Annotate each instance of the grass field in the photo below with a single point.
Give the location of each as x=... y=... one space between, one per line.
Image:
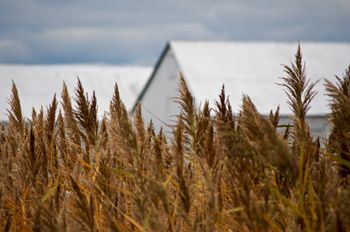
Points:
x=64 y=170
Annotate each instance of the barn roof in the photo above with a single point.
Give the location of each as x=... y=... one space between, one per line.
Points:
x=37 y=84
x=254 y=68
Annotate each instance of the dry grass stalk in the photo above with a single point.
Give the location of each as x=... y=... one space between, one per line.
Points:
x=68 y=171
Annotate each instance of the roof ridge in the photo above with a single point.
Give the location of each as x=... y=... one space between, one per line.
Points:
x=255 y=42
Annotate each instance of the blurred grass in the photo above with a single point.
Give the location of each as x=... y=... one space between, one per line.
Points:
x=66 y=171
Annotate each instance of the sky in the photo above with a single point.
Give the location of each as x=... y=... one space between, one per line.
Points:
x=136 y=31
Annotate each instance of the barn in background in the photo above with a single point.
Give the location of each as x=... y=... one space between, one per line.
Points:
x=37 y=84
x=252 y=68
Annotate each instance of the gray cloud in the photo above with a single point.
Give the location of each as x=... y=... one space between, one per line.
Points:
x=135 y=31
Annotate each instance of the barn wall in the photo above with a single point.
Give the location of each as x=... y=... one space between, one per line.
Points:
x=158 y=100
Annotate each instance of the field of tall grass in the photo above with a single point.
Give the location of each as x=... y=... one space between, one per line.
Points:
x=65 y=170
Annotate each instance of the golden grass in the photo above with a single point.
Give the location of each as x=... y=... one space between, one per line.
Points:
x=67 y=171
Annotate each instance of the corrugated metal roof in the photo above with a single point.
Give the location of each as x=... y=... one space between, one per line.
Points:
x=254 y=68
x=38 y=83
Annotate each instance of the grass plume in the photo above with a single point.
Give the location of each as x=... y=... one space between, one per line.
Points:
x=66 y=170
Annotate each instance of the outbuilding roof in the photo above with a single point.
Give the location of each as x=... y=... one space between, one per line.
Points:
x=37 y=84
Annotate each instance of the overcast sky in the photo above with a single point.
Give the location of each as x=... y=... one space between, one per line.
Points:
x=136 y=31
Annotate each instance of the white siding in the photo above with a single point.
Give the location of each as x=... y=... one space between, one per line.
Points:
x=158 y=101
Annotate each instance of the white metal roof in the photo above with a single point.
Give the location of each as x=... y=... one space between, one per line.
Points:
x=254 y=68
x=37 y=84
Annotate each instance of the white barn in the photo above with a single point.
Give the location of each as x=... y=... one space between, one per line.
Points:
x=251 y=68
x=37 y=84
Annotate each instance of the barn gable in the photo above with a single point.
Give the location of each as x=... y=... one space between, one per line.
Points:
x=157 y=97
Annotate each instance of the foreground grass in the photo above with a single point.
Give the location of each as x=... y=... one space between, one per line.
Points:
x=65 y=171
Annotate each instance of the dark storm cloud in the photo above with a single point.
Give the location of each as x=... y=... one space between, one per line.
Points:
x=135 y=31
